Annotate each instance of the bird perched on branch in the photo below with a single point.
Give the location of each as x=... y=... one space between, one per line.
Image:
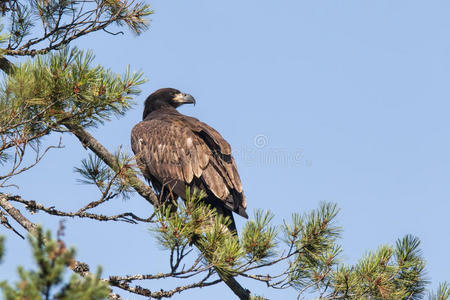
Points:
x=174 y=151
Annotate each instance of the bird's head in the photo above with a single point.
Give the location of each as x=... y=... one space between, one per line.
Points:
x=165 y=98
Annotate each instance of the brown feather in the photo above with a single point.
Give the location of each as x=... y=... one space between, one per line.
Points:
x=177 y=150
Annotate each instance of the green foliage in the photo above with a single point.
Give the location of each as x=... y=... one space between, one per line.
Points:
x=52 y=24
x=182 y=227
x=3 y=38
x=52 y=259
x=64 y=87
x=388 y=273
x=221 y=247
x=409 y=259
x=313 y=237
x=197 y=222
x=110 y=182
x=55 y=92
x=312 y=251
x=22 y=24
x=443 y=292
x=136 y=24
x=258 y=237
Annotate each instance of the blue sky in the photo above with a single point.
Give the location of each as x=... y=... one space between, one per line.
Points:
x=349 y=98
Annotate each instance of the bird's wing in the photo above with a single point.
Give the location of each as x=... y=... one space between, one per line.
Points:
x=168 y=150
x=181 y=148
x=222 y=160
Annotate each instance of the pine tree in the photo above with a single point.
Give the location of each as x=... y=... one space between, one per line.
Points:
x=53 y=259
x=57 y=88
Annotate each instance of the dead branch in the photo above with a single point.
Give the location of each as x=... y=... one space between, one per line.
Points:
x=18 y=159
x=33 y=206
x=79 y=267
x=164 y=293
x=58 y=28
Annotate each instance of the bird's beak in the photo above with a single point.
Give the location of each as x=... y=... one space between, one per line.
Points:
x=183 y=98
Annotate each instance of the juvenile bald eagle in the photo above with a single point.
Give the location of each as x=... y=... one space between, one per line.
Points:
x=174 y=151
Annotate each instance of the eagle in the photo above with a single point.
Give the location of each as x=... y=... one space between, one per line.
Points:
x=175 y=151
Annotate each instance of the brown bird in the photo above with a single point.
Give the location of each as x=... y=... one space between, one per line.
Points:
x=175 y=151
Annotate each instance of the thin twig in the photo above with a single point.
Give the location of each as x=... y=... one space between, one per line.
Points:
x=78 y=267
x=123 y=217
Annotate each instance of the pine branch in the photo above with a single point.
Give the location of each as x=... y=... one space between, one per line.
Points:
x=164 y=293
x=61 y=22
x=78 y=267
x=33 y=206
x=88 y=141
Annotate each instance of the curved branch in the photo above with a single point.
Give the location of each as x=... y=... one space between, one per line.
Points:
x=88 y=141
x=162 y=293
x=33 y=206
x=79 y=267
